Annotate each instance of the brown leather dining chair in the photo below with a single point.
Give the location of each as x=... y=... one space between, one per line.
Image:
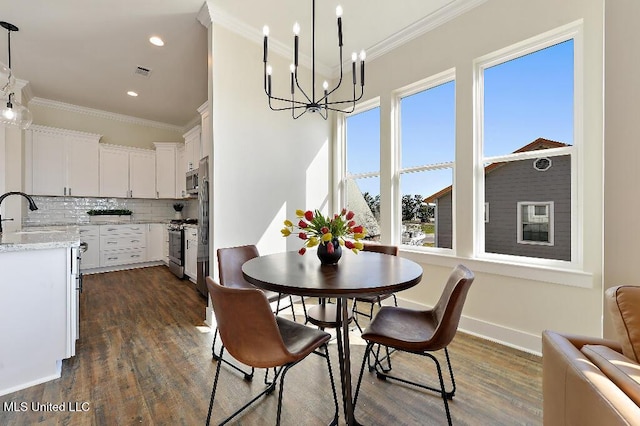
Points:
x=230 y=262
x=421 y=332
x=254 y=336
x=371 y=301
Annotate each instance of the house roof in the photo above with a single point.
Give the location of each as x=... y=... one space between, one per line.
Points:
x=538 y=144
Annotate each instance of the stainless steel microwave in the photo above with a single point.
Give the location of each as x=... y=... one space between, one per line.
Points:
x=192 y=182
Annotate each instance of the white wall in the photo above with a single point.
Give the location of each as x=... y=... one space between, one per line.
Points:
x=509 y=304
x=622 y=147
x=127 y=131
x=265 y=164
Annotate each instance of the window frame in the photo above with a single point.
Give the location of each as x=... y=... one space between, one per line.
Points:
x=438 y=79
x=572 y=31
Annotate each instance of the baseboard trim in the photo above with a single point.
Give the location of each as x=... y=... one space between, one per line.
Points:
x=516 y=339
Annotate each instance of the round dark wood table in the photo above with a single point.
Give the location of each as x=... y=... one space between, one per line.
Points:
x=364 y=274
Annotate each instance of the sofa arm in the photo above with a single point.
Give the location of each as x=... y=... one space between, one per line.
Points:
x=576 y=392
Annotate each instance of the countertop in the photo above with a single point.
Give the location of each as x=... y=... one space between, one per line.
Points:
x=38 y=239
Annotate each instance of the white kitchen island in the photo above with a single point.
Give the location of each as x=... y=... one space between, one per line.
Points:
x=38 y=306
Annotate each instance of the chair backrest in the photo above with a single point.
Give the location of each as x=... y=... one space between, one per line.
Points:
x=230 y=262
x=247 y=327
x=448 y=310
x=380 y=248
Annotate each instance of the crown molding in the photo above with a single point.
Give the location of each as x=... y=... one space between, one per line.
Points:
x=56 y=130
x=204 y=16
x=418 y=28
x=224 y=19
x=103 y=114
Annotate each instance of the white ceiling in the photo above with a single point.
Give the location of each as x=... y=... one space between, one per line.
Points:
x=85 y=52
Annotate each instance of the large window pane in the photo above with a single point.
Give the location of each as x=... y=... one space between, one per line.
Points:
x=428 y=132
x=527 y=98
x=362 y=180
x=363 y=142
x=530 y=209
x=427 y=208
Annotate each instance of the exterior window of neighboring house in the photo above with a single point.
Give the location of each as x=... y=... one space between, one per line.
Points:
x=361 y=177
x=526 y=103
x=535 y=223
x=426 y=135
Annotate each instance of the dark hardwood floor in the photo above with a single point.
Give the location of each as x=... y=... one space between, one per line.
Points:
x=144 y=357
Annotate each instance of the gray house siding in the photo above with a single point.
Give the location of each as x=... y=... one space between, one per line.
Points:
x=518 y=181
x=444 y=225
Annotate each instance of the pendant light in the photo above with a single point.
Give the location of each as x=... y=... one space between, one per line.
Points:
x=12 y=112
x=309 y=102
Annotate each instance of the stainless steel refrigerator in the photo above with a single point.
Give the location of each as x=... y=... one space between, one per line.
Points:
x=203 y=226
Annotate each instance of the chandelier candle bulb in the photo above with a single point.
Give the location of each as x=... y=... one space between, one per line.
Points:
x=293 y=70
x=265 y=31
x=339 y=15
x=362 y=57
x=354 y=58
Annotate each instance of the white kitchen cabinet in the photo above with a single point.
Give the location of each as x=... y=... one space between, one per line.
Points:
x=122 y=244
x=206 y=138
x=192 y=149
x=90 y=234
x=62 y=162
x=181 y=173
x=166 y=165
x=191 y=252
x=114 y=172
x=127 y=172
x=155 y=242
x=142 y=174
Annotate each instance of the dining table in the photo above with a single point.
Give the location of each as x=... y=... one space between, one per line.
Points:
x=355 y=274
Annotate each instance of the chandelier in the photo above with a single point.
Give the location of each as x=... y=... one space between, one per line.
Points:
x=323 y=104
x=12 y=112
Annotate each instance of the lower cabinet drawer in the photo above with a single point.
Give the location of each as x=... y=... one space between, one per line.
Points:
x=122 y=241
x=121 y=257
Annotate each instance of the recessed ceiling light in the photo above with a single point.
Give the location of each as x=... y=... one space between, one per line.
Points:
x=132 y=93
x=157 y=41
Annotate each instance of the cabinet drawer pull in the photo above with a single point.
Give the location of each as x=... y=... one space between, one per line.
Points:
x=112 y=258
x=112 y=242
x=135 y=255
x=135 y=241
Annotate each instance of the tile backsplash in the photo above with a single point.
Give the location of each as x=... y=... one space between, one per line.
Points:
x=73 y=210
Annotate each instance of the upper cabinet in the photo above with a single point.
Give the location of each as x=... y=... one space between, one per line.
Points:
x=127 y=172
x=192 y=149
x=206 y=136
x=62 y=162
x=166 y=170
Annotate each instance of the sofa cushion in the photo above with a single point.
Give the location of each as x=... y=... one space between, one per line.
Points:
x=623 y=372
x=624 y=304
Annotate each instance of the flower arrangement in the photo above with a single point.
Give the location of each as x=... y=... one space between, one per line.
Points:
x=317 y=229
x=178 y=207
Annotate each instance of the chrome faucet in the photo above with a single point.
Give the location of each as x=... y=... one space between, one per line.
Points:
x=32 y=204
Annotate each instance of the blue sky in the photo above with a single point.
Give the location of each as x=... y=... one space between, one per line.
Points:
x=526 y=98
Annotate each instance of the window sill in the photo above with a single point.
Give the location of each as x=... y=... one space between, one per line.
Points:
x=562 y=276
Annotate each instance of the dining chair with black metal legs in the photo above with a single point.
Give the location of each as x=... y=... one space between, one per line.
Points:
x=254 y=336
x=421 y=332
x=230 y=262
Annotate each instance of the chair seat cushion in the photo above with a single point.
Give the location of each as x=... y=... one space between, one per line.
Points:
x=299 y=339
x=617 y=367
x=401 y=328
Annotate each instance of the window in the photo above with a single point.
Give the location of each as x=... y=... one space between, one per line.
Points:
x=535 y=223
x=526 y=104
x=361 y=181
x=427 y=150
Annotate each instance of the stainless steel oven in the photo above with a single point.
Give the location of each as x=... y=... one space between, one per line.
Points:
x=176 y=250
